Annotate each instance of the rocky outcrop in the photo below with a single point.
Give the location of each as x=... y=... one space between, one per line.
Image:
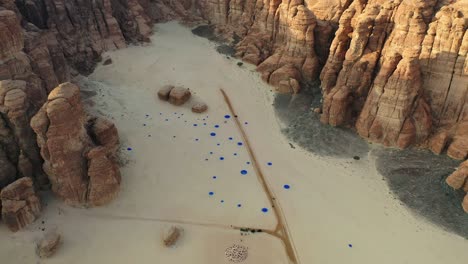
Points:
x=20 y=204
x=78 y=152
x=459 y=180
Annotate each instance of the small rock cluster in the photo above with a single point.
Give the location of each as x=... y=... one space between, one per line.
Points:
x=179 y=96
x=459 y=180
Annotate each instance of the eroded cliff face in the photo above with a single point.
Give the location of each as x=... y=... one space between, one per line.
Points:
x=43 y=43
x=395 y=70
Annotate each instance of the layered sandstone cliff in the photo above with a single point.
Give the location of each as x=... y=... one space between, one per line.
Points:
x=79 y=152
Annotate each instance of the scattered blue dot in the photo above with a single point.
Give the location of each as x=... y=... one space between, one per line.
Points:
x=269 y=163
x=214 y=177
x=222 y=201
x=203 y=119
x=195 y=125
x=227 y=116
x=211 y=152
x=230 y=138
x=239 y=143
x=221 y=158
x=243 y=172
x=167 y=119
x=246 y=123
x=129 y=149
x=286 y=186
x=196 y=139
x=239 y=205
x=216 y=126
x=264 y=210
x=248 y=162
x=204 y=124
x=235 y=154
x=144 y=124
x=211 y=193
x=212 y=134
x=350 y=245
x=146 y=115
x=218 y=144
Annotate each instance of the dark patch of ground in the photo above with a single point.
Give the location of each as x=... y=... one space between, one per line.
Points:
x=417 y=178
x=208 y=32
x=305 y=129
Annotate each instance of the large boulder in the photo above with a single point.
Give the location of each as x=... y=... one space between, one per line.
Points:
x=20 y=204
x=79 y=152
x=179 y=95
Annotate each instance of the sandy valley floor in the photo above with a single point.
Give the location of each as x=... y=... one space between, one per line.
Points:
x=337 y=210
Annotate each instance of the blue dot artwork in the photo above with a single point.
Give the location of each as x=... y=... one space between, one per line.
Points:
x=222 y=201
x=243 y=172
x=248 y=162
x=167 y=119
x=204 y=124
x=286 y=186
x=146 y=115
x=144 y=124
x=212 y=134
x=269 y=163
x=235 y=154
x=214 y=177
x=196 y=139
x=129 y=149
x=230 y=138
x=195 y=125
x=211 y=193
x=216 y=126
x=218 y=144
x=350 y=245
x=239 y=143
x=239 y=205
x=211 y=152
x=246 y=123
x=221 y=158
x=265 y=210
x=227 y=116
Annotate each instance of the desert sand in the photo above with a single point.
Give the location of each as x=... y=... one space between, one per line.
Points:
x=337 y=210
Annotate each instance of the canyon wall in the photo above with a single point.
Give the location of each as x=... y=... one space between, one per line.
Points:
x=44 y=43
x=396 y=71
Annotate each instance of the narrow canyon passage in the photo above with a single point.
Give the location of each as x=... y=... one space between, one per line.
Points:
x=194 y=171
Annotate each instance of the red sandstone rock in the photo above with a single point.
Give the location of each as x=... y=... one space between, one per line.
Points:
x=179 y=95
x=81 y=171
x=164 y=92
x=459 y=180
x=199 y=108
x=20 y=204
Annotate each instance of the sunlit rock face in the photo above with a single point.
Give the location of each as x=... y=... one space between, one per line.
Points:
x=395 y=70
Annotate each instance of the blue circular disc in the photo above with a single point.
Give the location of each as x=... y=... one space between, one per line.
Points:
x=243 y=172
x=264 y=210
x=286 y=186
x=212 y=134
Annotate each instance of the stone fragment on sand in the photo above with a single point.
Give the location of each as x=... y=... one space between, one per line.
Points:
x=179 y=95
x=20 y=204
x=317 y=110
x=199 y=108
x=107 y=61
x=48 y=245
x=172 y=236
x=164 y=92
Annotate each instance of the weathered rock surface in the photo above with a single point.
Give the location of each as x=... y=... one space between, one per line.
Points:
x=20 y=204
x=79 y=153
x=179 y=95
x=459 y=180
x=48 y=245
x=164 y=92
x=199 y=108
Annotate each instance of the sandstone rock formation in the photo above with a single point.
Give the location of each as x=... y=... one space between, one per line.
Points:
x=396 y=70
x=459 y=180
x=179 y=95
x=199 y=108
x=20 y=204
x=78 y=152
x=48 y=245
x=164 y=92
